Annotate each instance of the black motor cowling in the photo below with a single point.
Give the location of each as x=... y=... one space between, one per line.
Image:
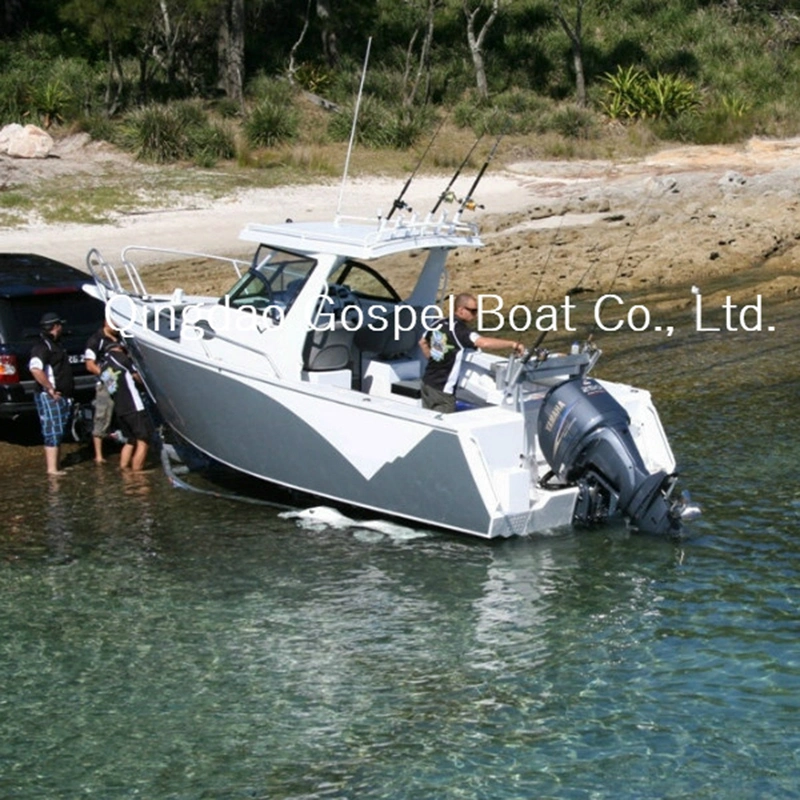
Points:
x=585 y=436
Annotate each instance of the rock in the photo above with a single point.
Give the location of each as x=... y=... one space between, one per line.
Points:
x=662 y=184
x=6 y=133
x=27 y=142
x=732 y=178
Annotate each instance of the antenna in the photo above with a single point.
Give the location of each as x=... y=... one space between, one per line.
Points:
x=353 y=130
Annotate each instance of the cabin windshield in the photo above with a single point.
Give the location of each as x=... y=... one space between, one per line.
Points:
x=273 y=282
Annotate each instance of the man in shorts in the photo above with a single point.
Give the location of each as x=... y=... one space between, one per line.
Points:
x=97 y=347
x=50 y=368
x=132 y=416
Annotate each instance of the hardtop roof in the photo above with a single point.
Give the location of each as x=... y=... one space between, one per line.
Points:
x=364 y=239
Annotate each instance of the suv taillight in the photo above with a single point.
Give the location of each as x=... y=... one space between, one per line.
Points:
x=8 y=369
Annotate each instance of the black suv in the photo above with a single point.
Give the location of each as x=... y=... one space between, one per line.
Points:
x=31 y=285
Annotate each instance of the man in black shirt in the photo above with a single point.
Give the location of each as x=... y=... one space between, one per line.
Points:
x=134 y=420
x=50 y=368
x=445 y=345
x=97 y=347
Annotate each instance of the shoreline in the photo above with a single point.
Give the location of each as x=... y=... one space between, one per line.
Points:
x=678 y=217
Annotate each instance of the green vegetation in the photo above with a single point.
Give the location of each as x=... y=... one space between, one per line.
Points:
x=633 y=94
x=271 y=83
x=180 y=131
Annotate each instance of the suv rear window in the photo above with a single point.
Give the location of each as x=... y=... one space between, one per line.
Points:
x=20 y=318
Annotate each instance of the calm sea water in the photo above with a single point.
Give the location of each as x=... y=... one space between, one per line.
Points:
x=158 y=643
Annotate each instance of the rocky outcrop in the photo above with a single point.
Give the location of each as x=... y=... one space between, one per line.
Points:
x=25 y=142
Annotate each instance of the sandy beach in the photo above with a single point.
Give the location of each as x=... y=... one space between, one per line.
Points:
x=678 y=217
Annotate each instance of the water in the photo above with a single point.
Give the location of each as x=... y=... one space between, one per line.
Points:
x=159 y=643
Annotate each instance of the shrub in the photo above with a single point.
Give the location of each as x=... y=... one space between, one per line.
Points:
x=153 y=133
x=274 y=90
x=49 y=91
x=715 y=125
x=371 y=124
x=632 y=93
x=269 y=123
x=313 y=78
x=573 y=122
x=211 y=142
x=98 y=126
x=379 y=124
x=13 y=97
x=404 y=127
x=165 y=133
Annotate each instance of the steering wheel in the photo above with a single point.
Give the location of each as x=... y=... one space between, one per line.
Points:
x=340 y=301
x=258 y=303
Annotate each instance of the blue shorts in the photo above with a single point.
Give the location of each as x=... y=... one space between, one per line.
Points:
x=54 y=414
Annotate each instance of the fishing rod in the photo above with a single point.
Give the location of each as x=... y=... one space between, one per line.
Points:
x=446 y=193
x=468 y=202
x=588 y=343
x=533 y=348
x=399 y=202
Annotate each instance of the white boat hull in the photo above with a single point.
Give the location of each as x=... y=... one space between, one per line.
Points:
x=372 y=453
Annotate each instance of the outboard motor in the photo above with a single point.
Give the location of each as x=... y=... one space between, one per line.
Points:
x=585 y=436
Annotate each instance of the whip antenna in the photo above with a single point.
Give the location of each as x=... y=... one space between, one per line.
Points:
x=355 y=122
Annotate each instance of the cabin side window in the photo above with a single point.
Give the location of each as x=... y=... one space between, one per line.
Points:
x=272 y=283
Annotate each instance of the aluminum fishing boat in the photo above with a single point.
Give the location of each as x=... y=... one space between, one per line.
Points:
x=306 y=374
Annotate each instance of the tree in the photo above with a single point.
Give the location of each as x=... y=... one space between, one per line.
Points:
x=476 y=38
x=574 y=31
x=412 y=21
x=330 y=45
x=424 y=62
x=291 y=70
x=230 y=50
x=108 y=23
x=169 y=33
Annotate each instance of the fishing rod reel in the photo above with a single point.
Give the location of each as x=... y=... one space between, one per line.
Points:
x=468 y=204
x=399 y=205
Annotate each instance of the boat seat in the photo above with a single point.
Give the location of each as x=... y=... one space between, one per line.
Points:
x=384 y=344
x=326 y=350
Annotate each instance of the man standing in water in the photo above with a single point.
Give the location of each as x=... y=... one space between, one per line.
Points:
x=445 y=345
x=97 y=347
x=134 y=420
x=50 y=368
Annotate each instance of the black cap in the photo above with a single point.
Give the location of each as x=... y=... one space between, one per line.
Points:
x=49 y=319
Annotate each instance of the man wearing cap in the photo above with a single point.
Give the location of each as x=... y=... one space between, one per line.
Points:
x=50 y=368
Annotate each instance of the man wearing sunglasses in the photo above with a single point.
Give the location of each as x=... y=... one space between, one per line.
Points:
x=444 y=346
